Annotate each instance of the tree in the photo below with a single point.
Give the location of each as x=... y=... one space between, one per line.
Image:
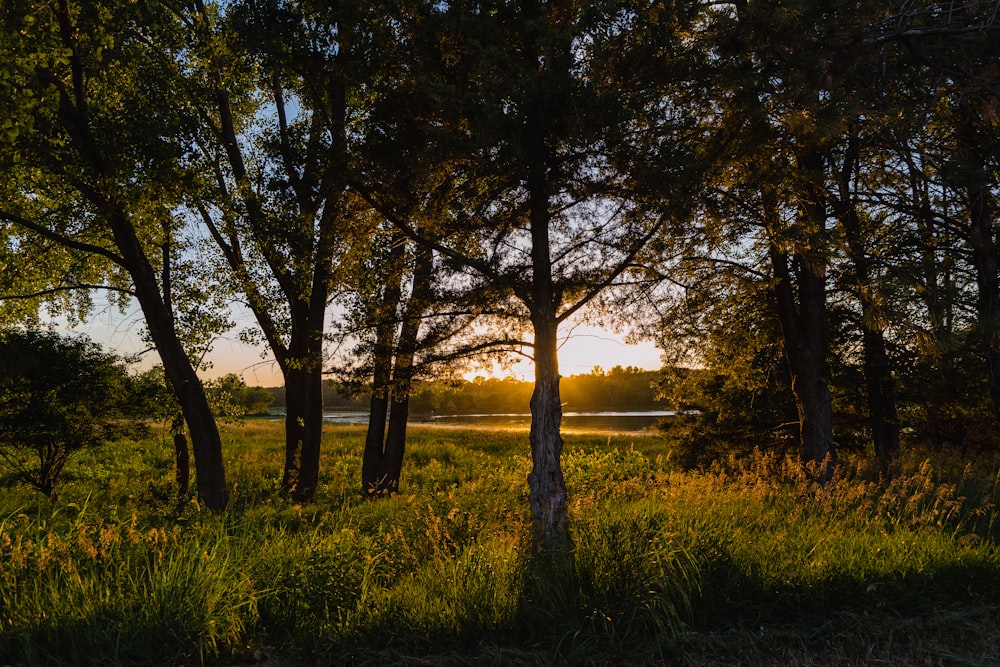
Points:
x=397 y=328
x=277 y=204
x=788 y=87
x=94 y=167
x=948 y=52
x=232 y=397
x=537 y=114
x=58 y=395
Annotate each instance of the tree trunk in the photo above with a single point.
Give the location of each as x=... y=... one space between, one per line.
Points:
x=183 y=469
x=303 y=429
x=803 y=334
x=205 y=441
x=391 y=464
x=879 y=384
x=881 y=388
x=987 y=264
x=180 y=372
x=371 y=463
x=294 y=430
x=545 y=482
x=382 y=354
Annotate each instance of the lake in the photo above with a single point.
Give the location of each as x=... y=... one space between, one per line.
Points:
x=584 y=421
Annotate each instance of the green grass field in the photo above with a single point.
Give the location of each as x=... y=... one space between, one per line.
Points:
x=747 y=564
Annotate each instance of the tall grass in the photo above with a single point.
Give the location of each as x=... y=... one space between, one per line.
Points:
x=744 y=563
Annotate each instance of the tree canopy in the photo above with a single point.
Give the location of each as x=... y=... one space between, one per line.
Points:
x=799 y=201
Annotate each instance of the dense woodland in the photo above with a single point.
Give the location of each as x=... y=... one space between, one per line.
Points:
x=797 y=200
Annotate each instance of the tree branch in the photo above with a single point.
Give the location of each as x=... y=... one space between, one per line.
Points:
x=62 y=239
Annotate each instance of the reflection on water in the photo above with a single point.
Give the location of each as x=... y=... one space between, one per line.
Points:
x=589 y=421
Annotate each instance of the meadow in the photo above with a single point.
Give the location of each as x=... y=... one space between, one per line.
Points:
x=746 y=563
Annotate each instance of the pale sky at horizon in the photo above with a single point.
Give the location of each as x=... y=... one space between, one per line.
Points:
x=585 y=347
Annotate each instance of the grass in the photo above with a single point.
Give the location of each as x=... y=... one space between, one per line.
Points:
x=744 y=564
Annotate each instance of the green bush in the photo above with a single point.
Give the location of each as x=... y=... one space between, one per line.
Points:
x=58 y=395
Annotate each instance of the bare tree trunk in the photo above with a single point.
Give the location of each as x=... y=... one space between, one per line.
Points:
x=986 y=260
x=545 y=482
x=803 y=332
x=879 y=384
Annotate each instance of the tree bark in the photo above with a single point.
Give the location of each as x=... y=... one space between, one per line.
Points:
x=382 y=355
x=985 y=257
x=545 y=482
x=879 y=383
x=803 y=333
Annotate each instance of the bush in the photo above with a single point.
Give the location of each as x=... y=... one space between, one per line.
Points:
x=58 y=394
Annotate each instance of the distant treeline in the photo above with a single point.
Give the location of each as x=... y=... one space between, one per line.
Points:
x=617 y=389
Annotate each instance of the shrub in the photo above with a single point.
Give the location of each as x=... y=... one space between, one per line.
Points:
x=58 y=394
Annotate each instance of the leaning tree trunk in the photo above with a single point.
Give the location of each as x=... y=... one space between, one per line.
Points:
x=180 y=372
x=205 y=441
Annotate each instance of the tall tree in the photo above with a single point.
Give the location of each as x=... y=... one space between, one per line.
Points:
x=278 y=208
x=95 y=164
x=787 y=78
x=952 y=49
x=539 y=112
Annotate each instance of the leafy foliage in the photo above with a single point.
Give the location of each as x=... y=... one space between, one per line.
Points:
x=58 y=395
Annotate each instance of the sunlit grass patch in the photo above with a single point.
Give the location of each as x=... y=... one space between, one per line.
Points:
x=663 y=563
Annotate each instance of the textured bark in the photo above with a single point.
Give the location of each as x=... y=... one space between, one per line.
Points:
x=880 y=386
x=803 y=333
x=545 y=482
x=384 y=449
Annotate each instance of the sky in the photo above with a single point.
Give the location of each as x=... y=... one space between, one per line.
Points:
x=584 y=348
